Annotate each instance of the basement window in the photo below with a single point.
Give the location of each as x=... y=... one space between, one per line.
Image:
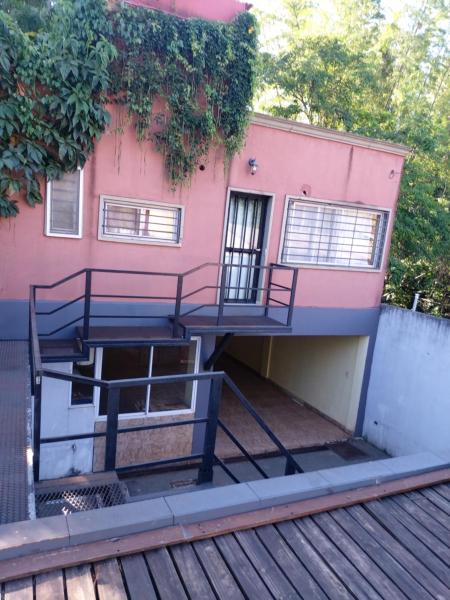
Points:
x=64 y=206
x=331 y=234
x=135 y=221
x=82 y=393
x=150 y=361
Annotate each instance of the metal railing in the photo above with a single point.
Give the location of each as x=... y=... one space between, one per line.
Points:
x=222 y=274
x=211 y=423
x=208 y=458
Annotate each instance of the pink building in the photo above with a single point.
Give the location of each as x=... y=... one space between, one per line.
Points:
x=296 y=233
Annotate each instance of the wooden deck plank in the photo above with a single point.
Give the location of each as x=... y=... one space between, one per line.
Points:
x=331 y=552
x=137 y=578
x=221 y=579
x=191 y=572
x=387 y=562
x=421 y=532
x=263 y=562
x=425 y=578
x=21 y=589
x=437 y=499
x=319 y=569
x=50 y=586
x=359 y=558
x=164 y=574
x=389 y=520
x=290 y=564
x=425 y=517
x=109 y=580
x=242 y=568
x=432 y=510
x=17 y=568
x=79 y=583
x=444 y=490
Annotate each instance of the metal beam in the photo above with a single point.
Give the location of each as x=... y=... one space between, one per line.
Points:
x=225 y=341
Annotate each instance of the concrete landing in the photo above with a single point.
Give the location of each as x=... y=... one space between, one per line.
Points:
x=15 y=405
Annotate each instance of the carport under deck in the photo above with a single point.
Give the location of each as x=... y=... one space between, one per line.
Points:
x=296 y=425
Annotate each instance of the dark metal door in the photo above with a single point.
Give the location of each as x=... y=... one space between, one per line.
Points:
x=244 y=240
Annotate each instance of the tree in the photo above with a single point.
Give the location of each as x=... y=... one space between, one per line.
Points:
x=30 y=15
x=354 y=69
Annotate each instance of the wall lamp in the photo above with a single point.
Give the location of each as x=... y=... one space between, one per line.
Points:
x=253 y=166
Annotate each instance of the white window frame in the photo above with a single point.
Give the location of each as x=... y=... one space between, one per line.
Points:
x=136 y=203
x=331 y=266
x=147 y=413
x=48 y=205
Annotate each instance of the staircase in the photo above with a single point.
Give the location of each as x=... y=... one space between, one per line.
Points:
x=67 y=331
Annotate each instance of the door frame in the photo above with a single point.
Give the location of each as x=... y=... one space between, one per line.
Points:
x=266 y=238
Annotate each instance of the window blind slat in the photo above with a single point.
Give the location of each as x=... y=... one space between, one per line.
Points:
x=65 y=205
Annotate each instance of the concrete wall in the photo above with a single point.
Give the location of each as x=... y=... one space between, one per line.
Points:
x=408 y=401
x=325 y=372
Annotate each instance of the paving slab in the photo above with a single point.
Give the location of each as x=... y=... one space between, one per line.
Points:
x=282 y=490
x=215 y=503
x=117 y=521
x=28 y=537
x=415 y=464
x=341 y=479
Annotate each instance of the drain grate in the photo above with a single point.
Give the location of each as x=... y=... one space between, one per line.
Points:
x=347 y=451
x=66 y=501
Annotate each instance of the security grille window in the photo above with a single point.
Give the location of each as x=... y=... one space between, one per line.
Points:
x=64 y=205
x=140 y=222
x=331 y=234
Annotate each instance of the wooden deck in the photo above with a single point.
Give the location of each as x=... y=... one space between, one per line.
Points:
x=394 y=548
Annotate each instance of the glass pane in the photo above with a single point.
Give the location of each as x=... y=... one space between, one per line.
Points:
x=82 y=393
x=152 y=223
x=64 y=207
x=162 y=224
x=172 y=360
x=121 y=220
x=333 y=235
x=126 y=363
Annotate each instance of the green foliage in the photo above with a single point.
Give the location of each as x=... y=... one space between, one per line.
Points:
x=54 y=86
x=202 y=71
x=29 y=15
x=52 y=92
x=358 y=71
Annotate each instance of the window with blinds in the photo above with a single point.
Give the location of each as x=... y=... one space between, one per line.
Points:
x=332 y=234
x=64 y=206
x=129 y=221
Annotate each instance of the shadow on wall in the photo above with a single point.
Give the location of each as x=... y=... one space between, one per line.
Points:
x=408 y=401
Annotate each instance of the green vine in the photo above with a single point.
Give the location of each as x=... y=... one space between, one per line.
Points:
x=54 y=87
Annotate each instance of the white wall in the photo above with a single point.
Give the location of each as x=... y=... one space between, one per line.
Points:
x=59 y=418
x=326 y=372
x=408 y=401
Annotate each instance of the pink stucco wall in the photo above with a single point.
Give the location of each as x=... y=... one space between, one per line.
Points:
x=120 y=167
x=220 y=10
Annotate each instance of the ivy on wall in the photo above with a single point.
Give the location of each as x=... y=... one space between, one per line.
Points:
x=54 y=87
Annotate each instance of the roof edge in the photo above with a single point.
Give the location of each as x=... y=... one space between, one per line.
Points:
x=343 y=137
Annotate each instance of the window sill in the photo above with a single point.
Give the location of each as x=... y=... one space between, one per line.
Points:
x=72 y=236
x=140 y=242
x=133 y=416
x=331 y=267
